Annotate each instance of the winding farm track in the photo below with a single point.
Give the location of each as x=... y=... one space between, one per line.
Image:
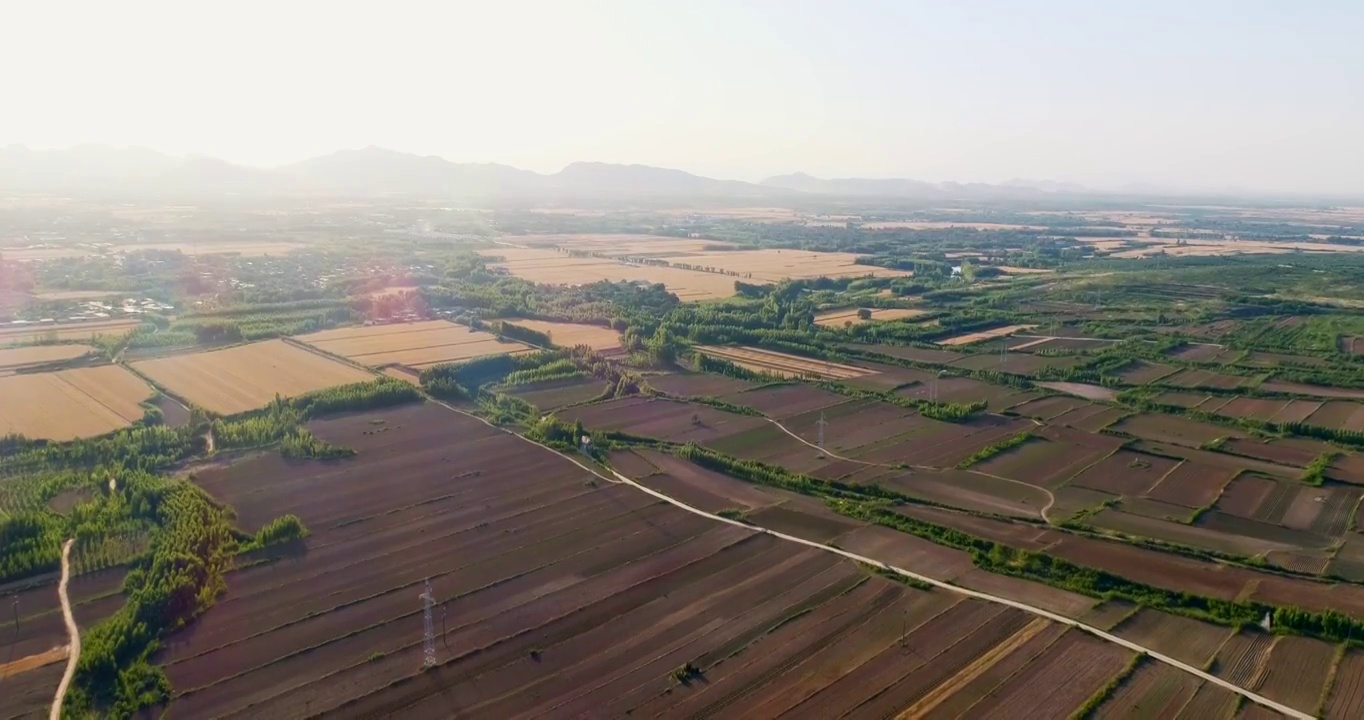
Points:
x=72 y=631
x=1051 y=499
x=1253 y=697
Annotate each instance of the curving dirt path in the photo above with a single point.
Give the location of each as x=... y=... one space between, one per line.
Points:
x=74 y=648
x=1051 y=499
x=1049 y=615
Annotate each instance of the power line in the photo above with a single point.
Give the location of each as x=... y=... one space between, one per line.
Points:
x=429 y=644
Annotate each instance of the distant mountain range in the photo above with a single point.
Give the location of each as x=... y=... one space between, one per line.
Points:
x=375 y=171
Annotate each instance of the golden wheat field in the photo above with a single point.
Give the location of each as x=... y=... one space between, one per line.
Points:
x=40 y=355
x=693 y=272
x=569 y=335
x=247 y=377
x=70 y=404
x=552 y=267
x=418 y=344
x=45 y=332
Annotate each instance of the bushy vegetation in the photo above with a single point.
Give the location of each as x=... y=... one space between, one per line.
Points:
x=990 y=451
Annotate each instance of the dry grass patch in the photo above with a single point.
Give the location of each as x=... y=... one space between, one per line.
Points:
x=247 y=377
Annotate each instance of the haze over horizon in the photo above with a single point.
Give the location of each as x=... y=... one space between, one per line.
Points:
x=1257 y=96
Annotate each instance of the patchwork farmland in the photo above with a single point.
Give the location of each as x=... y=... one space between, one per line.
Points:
x=547 y=581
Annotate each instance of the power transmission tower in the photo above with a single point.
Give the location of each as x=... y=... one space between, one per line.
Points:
x=429 y=646
x=822 y=422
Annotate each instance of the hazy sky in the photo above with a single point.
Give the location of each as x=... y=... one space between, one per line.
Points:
x=1193 y=93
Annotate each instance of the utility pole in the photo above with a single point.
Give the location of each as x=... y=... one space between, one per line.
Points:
x=822 y=422
x=429 y=644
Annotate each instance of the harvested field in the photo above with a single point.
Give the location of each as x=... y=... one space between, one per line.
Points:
x=27 y=357
x=907 y=551
x=1097 y=393
x=1313 y=390
x=1210 y=701
x=1192 y=484
x=889 y=377
x=419 y=344
x=1296 y=411
x=1141 y=372
x=1173 y=429
x=1297 y=672
x=984 y=335
x=695 y=485
x=556 y=394
x=914 y=354
x=1246 y=494
x=1020 y=535
x=811 y=521
x=1155 y=690
x=1339 y=415
x=1050 y=461
x=698 y=384
x=563 y=599
x=1186 y=639
x=1193 y=378
x=1204 y=353
x=1209 y=538
x=1300 y=562
x=1108 y=614
x=840 y=318
x=1346 y=699
x=29 y=695
x=1058 y=681
x=568 y=335
x=1154 y=509
x=1071 y=500
x=1257 y=408
x=1016 y=363
x=671 y=420
x=782 y=364
x=247 y=377
x=64 y=331
x=69 y=404
x=1242 y=659
x=970 y=491
x=967 y=390
x=1033 y=593
x=784 y=401
x=1182 y=399
x=1092 y=422
x=1049 y=407
x=1125 y=472
x=1296 y=452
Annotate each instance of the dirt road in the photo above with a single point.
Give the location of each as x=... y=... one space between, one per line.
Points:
x=72 y=632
